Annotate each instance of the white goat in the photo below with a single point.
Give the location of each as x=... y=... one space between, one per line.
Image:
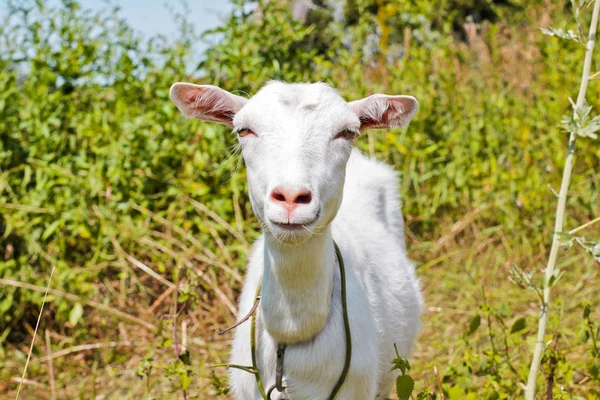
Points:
x=297 y=144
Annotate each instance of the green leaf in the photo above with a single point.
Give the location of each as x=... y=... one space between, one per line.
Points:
x=518 y=326
x=596 y=252
x=524 y=280
x=50 y=229
x=587 y=309
x=400 y=362
x=555 y=277
x=185 y=358
x=404 y=386
x=474 y=325
x=565 y=239
x=581 y=124
x=76 y=314
x=426 y=395
x=456 y=393
x=493 y=396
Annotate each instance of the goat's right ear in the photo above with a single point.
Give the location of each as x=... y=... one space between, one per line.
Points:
x=206 y=102
x=380 y=111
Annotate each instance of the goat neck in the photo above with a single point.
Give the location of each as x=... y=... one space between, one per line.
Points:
x=297 y=287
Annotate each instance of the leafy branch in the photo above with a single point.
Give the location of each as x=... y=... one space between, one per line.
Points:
x=567 y=34
x=581 y=124
x=404 y=382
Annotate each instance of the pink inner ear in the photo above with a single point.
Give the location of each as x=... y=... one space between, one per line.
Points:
x=382 y=111
x=208 y=103
x=190 y=95
x=211 y=105
x=380 y=119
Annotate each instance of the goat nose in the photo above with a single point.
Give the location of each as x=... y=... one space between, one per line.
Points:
x=291 y=198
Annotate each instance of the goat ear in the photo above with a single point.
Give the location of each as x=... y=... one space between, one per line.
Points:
x=206 y=102
x=381 y=111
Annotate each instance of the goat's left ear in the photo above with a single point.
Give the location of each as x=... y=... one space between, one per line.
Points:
x=380 y=111
x=206 y=102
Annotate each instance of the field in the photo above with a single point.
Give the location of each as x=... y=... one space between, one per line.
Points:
x=103 y=183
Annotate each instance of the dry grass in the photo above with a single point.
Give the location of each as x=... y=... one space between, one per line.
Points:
x=471 y=265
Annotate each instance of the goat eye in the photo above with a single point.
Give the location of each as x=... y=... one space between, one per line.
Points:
x=347 y=134
x=245 y=132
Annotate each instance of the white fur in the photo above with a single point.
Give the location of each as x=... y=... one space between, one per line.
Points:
x=296 y=147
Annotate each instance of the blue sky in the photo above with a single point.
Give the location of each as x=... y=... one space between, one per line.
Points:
x=152 y=17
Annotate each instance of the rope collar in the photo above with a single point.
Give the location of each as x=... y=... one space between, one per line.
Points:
x=281 y=347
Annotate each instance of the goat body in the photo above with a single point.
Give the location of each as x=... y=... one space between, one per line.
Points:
x=383 y=297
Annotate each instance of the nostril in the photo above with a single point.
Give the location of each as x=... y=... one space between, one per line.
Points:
x=304 y=198
x=277 y=196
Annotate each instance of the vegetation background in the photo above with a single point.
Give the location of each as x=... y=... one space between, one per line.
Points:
x=101 y=178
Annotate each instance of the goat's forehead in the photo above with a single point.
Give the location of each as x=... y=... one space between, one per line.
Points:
x=277 y=101
x=298 y=95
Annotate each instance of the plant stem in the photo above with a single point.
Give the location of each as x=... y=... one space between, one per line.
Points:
x=37 y=325
x=560 y=211
x=175 y=335
x=592 y=222
x=50 y=364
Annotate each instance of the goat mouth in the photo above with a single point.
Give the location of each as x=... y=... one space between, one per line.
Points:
x=287 y=226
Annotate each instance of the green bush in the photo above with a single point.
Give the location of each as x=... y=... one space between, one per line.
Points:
x=483 y=135
x=88 y=132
